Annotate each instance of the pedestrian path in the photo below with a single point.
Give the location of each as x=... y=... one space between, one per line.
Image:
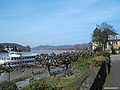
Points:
x=113 y=79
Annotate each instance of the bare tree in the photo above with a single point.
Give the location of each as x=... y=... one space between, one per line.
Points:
x=101 y=33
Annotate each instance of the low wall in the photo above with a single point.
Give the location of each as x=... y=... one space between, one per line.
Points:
x=93 y=79
x=85 y=80
x=101 y=77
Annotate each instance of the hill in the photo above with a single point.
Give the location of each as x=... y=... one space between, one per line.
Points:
x=53 y=47
x=12 y=44
x=13 y=47
x=64 y=47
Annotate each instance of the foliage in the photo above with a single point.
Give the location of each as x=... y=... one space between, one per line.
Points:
x=49 y=83
x=119 y=49
x=96 y=35
x=1 y=47
x=101 y=33
x=98 y=48
x=99 y=60
x=78 y=82
x=81 y=64
x=113 y=50
x=22 y=78
x=104 y=53
x=8 y=86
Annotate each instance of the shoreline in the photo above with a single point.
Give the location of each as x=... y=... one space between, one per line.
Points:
x=13 y=51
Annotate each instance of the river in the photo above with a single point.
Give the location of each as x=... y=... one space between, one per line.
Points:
x=40 y=51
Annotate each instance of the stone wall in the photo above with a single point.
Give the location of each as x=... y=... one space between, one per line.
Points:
x=93 y=79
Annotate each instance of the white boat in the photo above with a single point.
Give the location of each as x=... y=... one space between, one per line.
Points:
x=16 y=58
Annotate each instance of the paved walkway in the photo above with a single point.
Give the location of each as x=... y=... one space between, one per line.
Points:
x=113 y=79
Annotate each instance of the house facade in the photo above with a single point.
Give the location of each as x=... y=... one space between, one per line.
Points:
x=113 y=40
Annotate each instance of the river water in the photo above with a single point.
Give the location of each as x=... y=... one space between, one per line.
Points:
x=18 y=73
x=41 y=51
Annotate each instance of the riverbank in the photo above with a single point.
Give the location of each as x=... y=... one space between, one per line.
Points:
x=81 y=73
x=74 y=71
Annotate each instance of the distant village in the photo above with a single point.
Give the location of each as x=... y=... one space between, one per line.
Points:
x=5 y=47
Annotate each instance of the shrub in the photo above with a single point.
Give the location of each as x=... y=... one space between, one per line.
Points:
x=119 y=49
x=81 y=64
x=104 y=53
x=8 y=86
x=98 y=48
x=99 y=60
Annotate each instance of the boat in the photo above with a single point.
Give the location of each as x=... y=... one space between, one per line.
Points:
x=17 y=58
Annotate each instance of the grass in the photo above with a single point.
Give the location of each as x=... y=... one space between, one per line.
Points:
x=77 y=82
x=64 y=81
x=57 y=83
x=11 y=85
x=50 y=83
x=60 y=81
x=8 y=86
x=83 y=64
x=21 y=78
x=30 y=75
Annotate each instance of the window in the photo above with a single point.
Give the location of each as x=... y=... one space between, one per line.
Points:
x=96 y=42
x=114 y=42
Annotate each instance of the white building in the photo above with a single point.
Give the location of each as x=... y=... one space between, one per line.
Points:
x=113 y=40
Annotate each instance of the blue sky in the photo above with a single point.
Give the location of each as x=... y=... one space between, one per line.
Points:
x=55 y=22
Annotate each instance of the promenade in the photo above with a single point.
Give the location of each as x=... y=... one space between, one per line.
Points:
x=113 y=79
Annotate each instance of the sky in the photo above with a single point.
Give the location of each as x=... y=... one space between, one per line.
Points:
x=55 y=22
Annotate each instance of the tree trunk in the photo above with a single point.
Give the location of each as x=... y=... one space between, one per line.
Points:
x=32 y=70
x=9 y=73
x=9 y=76
x=66 y=68
x=49 y=70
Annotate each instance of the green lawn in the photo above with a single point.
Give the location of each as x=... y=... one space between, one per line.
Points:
x=50 y=83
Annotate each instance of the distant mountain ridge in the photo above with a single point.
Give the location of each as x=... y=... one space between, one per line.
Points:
x=53 y=47
x=84 y=45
